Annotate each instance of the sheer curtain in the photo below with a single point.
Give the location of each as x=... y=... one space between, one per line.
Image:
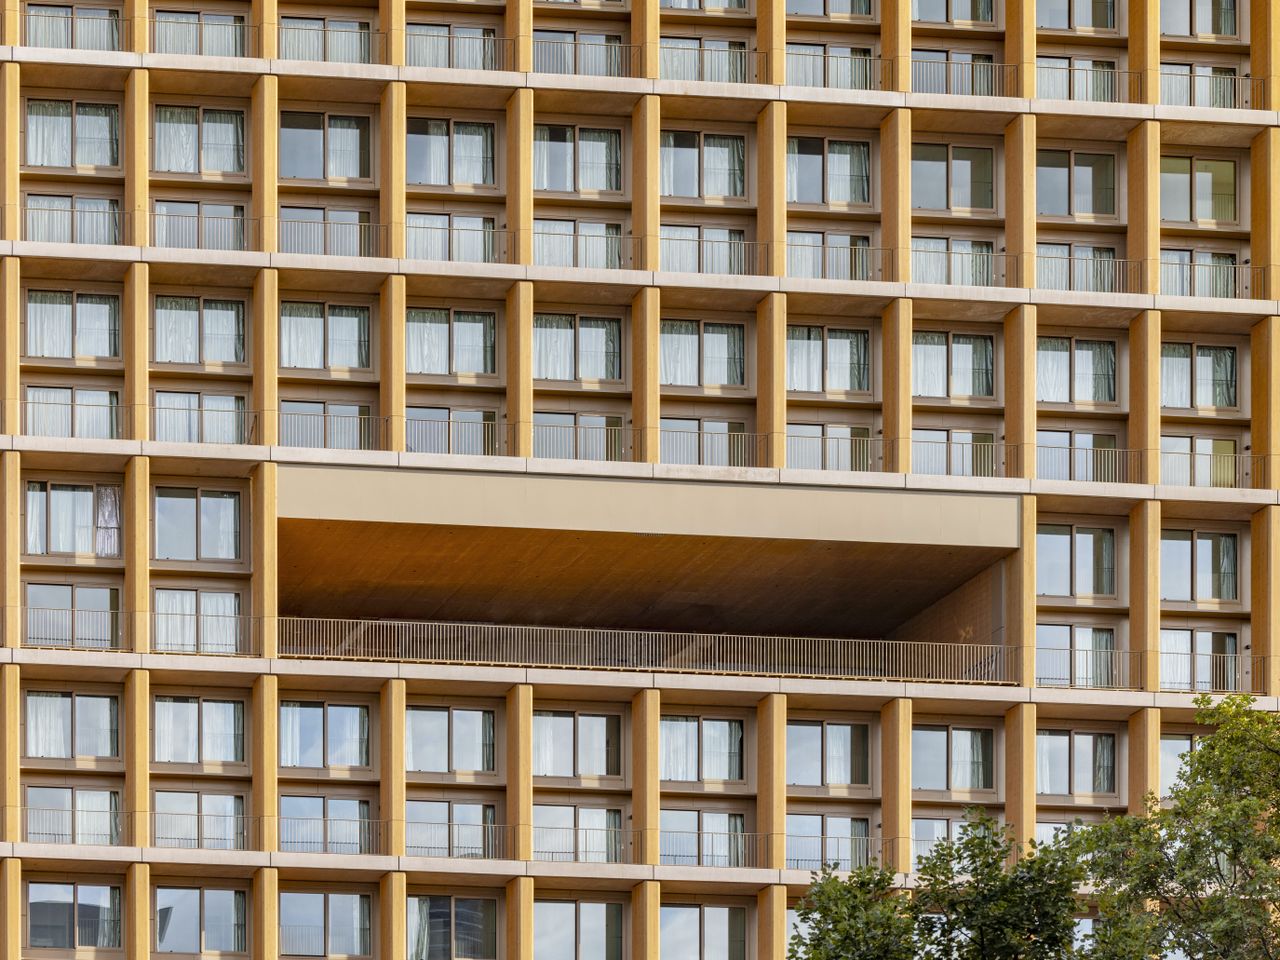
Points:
x=542 y=175
x=1175 y=375
x=848 y=366
x=175 y=620
x=36 y=516
x=678 y=748
x=599 y=348
x=348 y=336
x=301 y=38
x=929 y=364
x=723 y=356
x=48 y=219
x=427 y=336
x=473 y=342
x=804 y=358
x=849 y=172
x=553 y=243
x=1095 y=376
x=177 y=728
x=427 y=236
x=929 y=262
x=1104 y=763
x=473 y=153
x=97 y=134
x=302 y=335
x=553 y=347
x=291 y=720
x=48 y=323
x=1175 y=659
x=348 y=147
x=223 y=338
x=1053 y=369
x=724 y=165
x=222 y=136
x=599 y=160
x=678 y=352
x=48 y=724
x=107 y=520
x=1215 y=376
x=177 y=416
x=428 y=152
x=972 y=369
x=177 y=329
x=48 y=411
x=678 y=248
x=49 y=133
x=220 y=625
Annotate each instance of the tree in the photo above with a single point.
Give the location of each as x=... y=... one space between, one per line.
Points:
x=858 y=917
x=976 y=901
x=1201 y=872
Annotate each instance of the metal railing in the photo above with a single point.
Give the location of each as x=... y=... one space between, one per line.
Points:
x=1088 y=84
x=689 y=849
x=1241 y=471
x=470 y=437
x=458 y=52
x=325 y=835
x=65 y=225
x=1090 y=464
x=332 y=431
x=805 y=852
x=75 y=31
x=204 y=425
x=186 y=232
x=1223 y=92
x=738 y=258
x=66 y=629
x=713 y=448
x=1227 y=280
x=201 y=38
x=579 y=442
x=828 y=261
x=861 y=454
x=960 y=269
x=1212 y=673
x=1089 y=274
x=577 y=58
x=836 y=72
x=330 y=44
x=86 y=421
x=707 y=64
x=332 y=238
x=1089 y=669
x=583 y=845
x=953 y=458
x=459 y=841
x=457 y=244
x=64 y=825
x=203 y=831
x=205 y=634
x=734 y=654
x=964 y=79
x=592 y=251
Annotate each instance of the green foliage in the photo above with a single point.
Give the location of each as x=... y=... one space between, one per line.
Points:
x=858 y=917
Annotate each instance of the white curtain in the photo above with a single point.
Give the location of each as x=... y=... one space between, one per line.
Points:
x=291 y=721
x=848 y=366
x=49 y=133
x=302 y=335
x=348 y=41
x=428 y=153
x=679 y=248
x=175 y=620
x=473 y=342
x=177 y=329
x=97 y=134
x=599 y=160
x=177 y=728
x=473 y=153
x=929 y=364
x=223 y=338
x=48 y=323
x=599 y=348
x=848 y=172
x=427 y=340
x=1215 y=376
x=176 y=139
x=678 y=748
x=348 y=147
x=177 y=416
x=1095 y=373
x=48 y=724
x=222 y=141
x=220 y=624
x=668 y=155
x=48 y=411
x=36 y=513
x=220 y=525
x=106 y=520
x=972 y=369
x=427 y=44
x=348 y=336
x=724 y=165
x=96 y=414
x=1175 y=375
x=553 y=243
x=678 y=352
x=929 y=263
x=301 y=38
x=804 y=358
x=553 y=347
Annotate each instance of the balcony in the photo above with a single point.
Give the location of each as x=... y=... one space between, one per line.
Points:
x=325 y=44
x=837 y=71
x=860 y=454
x=593 y=251
x=457 y=51
x=701 y=849
x=332 y=237
x=204 y=424
x=459 y=841
x=323 y=835
x=736 y=258
x=954 y=458
x=199 y=831
x=836 y=261
x=1100 y=668
x=582 y=442
x=1089 y=274
x=532 y=646
x=87 y=29
x=713 y=448
x=1218 y=91
x=584 y=845
x=85 y=421
x=206 y=634
x=467 y=437
x=707 y=64
x=1216 y=280
x=1182 y=672
x=333 y=431
x=1239 y=471
x=812 y=853
x=581 y=59
x=61 y=629
x=1088 y=84
x=80 y=826
x=456 y=244
x=212 y=35
x=963 y=78
x=87 y=221
x=1089 y=464
x=956 y=268
x=198 y=232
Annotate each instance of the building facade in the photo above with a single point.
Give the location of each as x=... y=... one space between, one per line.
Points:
x=534 y=479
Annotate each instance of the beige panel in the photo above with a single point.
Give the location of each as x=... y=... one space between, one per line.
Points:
x=11 y=95
x=1143 y=244
x=391 y=360
x=1020 y=390
x=137 y=911
x=1144 y=591
x=265 y=931
x=646 y=404
x=1264 y=554
x=391 y=772
x=1144 y=757
x=646 y=785
x=264 y=533
x=519 y=918
x=11 y=740
x=519 y=28
x=391 y=18
x=12 y=24
x=646 y=19
x=265 y=142
x=265 y=706
x=895 y=193
x=895 y=42
x=520 y=769
x=266 y=353
x=1144 y=52
x=585 y=503
x=771 y=377
x=134 y=150
x=771 y=203
x=1020 y=197
x=895 y=783
x=1020 y=771
x=11 y=909
x=896 y=336
x=136 y=734
x=519 y=320
x=11 y=294
x=646 y=916
x=394 y=131
x=393 y=906
x=771 y=773
x=135 y=340
x=1264 y=428
x=1021 y=596
x=136 y=509
x=1144 y=393
x=11 y=485
x=1264 y=50
x=771 y=919
x=1020 y=50
x=520 y=172
x=646 y=177
x=1264 y=218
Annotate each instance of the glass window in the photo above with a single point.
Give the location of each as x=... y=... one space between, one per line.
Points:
x=952 y=758
x=691 y=932
x=319 y=735
x=833 y=754
x=65 y=916
x=577 y=930
x=566 y=744
x=193 y=920
x=63 y=725
x=63 y=324
x=315 y=146
x=441 y=740
x=1198 y=565
x=1174 y=748
x=319 y=924
x=444 y=341
x=956 y=365
x=197 y=524
x=441 y=927
x=944 y=177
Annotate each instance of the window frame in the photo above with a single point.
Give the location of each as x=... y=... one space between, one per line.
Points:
x=452 y=772
x=201 y=761
x=1119 y=382
x=75 y=759
x=75 y=102
x=577 y=714
x=1239 y=196
x=242 y=529
x=326 y=893
x=951 y=396
x=576 y=318
x=827 y=329
x=1242 y=546
x=202 y=362
x=952 y=207
x=950 y=727
x=176 y=883
x=1239 y=370
x=1074 y=792
x=578 y=189
x=326 y=306
x=701 y=196
x=702 y=719
x=499 y=179
x=453 y=374
x=96 y=487
x=702 y=386
x=75 y=359
x=826 y=786
x=1073 y=196
x=1076 y=529
x=200 y=173
x=76 y=949
x=479 y=893
x=307 y=698
x=371 y=144
x=827 y=201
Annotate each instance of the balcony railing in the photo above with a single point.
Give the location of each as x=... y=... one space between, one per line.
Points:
x=953 y=458
x=206 y=634
x=1223 y=92
x=959 y=268
x=592 y=251
x=1089 y=274
x=204 y=425
x=845 y=853
x=330 y=44
x=80 y=31
x=1218 y=280
x=458 y=52
x=183 y=232
x=1099 y=669
x=689 y=849
x=862 y=454
x=459 y=841
x=707 y=64
x=737 y=258
x=457 y=245
x=964 y=79
x=1088 y=84
x=1090 y=464
x=85 y=421
x=580 y=442
x=73 y=629
x=469 y=437
x=65 y=225
x=203 y=38
x=580 y=59
x=322 y=835
x=583 y=845
x=828 y=261
x=331 y=431
x=835 y=72
x=197 y=831
x=499 y=645
x=1241 y=471
x=333 y=238
x=711 y=448
x=1212 y=673
x=64 y=825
